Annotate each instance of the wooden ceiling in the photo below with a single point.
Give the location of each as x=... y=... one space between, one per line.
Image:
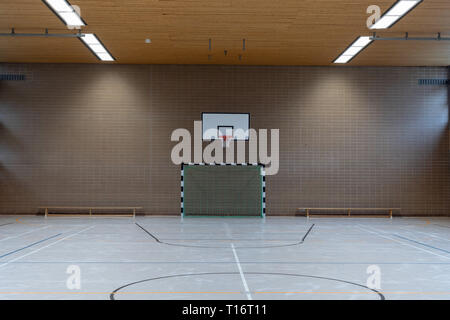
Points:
x=277 y=32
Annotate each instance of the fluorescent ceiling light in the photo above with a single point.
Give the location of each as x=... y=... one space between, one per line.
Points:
x=105 y=56
x=90 y=38
x=98 y=48
x=402 y=7
x=357 y=46
x=94 y=44
x=71 y=18
x=343 y=59
x=397 y=11
x=352 y=51
x=65 y=12
x=59 y=5
x=385 y=22
x=362 y=42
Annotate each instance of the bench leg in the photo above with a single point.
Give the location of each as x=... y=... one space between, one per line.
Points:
x=390 y=213
x=348 y=212
x=46 y=213
x=307 y=213
x=134 y=213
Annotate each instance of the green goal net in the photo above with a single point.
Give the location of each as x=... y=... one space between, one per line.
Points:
x=222 y=190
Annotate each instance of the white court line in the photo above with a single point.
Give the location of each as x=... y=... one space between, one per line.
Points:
x=425 y=233
x=22 y=234
x=375 y=231
x=249 y=296
x=432 y=235
x=41 y=248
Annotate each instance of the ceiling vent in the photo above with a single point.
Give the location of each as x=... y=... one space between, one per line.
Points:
x=433 y=82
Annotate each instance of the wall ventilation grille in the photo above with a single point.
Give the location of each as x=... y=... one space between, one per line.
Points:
x=12 y=77
x=433 y=82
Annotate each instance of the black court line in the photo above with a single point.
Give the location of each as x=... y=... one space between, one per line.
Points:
x=224 y=239
x=112 y=295
x=227 y=247
x=6 y=224
x=307 y=232
x=146 y=231
x=30 y=245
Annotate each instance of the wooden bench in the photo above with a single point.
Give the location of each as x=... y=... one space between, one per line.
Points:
x=90 y=209
x=349 y=210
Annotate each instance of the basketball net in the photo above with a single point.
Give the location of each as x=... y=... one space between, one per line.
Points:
x=226 y=140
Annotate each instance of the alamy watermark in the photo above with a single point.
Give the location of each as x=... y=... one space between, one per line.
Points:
x=375 y=14
x=73 y=282
x=215 y=152
x=374 y=279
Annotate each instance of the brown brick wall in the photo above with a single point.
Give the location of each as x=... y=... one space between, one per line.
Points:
x=100 y=134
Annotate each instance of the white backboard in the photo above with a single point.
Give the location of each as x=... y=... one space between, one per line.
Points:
x=216 y=124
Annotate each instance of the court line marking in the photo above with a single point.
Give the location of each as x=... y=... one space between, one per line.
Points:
x=30 y=245
x=147 y=232
x=434 y=236
x=228 y=292
x=376 y=232
x=229 y=262
x=421 y=243
x=6 y=224
x=22 y=234
x=44 y=247
x=439 y=225
x=244 y=282
x=116 y=291
x=18 y=220
x=224 y=247
x=307 y=233
x=425 y=233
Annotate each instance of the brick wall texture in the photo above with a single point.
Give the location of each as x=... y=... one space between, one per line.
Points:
x=74 y=134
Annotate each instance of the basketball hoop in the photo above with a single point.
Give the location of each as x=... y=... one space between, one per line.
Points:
x=226 y=140
x=225 y=133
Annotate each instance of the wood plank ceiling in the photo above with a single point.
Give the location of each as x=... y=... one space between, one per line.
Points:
x=277 y=32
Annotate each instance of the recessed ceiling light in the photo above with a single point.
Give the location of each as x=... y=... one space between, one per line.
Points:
x=397 y=11
x=65 y=12
x=356 y=47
